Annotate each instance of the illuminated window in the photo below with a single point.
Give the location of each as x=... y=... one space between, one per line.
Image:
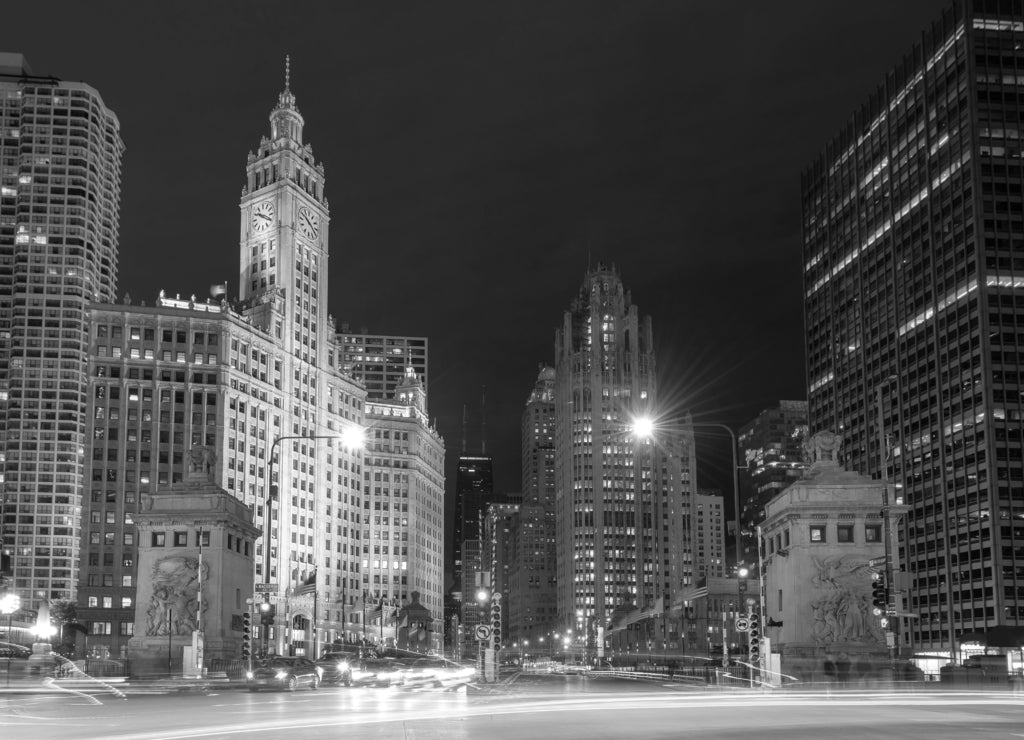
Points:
x=817 y=533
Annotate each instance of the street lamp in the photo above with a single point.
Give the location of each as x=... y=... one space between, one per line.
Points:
x=352 y=437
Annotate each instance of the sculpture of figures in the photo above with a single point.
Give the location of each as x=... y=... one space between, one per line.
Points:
x=195 y=460
x=840 y=606
x=173 y=606
x=209 y=459
x=823 y=447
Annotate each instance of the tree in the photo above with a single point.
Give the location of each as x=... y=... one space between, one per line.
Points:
x=64 y=616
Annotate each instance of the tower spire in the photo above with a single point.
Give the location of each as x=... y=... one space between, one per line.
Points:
x=287 y=72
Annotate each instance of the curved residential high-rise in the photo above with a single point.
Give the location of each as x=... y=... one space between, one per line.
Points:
x=60 y=199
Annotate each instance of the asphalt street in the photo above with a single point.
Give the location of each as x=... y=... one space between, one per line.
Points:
x=528 y=707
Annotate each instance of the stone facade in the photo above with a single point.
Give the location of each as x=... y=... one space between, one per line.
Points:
x=820 y=535
x=193 y=538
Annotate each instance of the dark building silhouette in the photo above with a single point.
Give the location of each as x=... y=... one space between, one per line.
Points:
x=772 y=449
x=913 y=230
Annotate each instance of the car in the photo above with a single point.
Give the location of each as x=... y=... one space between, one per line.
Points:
x=381 y=672
x=282 y=672
x=436 y=672
x=336 y=667
x=13 y=650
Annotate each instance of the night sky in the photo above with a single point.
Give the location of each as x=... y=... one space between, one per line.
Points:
x=480 y=155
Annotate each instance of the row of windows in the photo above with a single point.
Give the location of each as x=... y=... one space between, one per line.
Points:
x=845 y=532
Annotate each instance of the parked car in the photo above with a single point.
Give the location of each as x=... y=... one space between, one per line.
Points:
x=280 y=672
x=336 y=667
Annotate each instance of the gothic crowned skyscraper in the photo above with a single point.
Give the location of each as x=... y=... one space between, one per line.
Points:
x=621 y=501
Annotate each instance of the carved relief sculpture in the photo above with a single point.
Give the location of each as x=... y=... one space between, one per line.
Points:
x=840 y=603
x=173 y=606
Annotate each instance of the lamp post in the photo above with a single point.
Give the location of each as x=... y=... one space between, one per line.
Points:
x=352 y=437
x=892 y=636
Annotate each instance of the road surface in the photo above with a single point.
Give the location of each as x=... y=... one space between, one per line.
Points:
x=535 y=707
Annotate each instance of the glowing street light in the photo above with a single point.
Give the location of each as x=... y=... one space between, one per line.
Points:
x=643 y=427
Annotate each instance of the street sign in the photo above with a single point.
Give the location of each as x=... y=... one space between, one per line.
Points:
x=483 y=632
x=742 y=624
x=266 y=588
x=876 y=562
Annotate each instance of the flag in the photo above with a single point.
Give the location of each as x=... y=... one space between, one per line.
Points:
x=218 y=290
x=377 y=612
x=308 y=586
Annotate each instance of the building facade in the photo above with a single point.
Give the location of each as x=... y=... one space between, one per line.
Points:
x=60 y=200
x=820 y=538
x=532 y=607
x=474 y=492
x=379 y=362
x=623 y=522
x=259 y=382
x=403 y=505
x=709 y=534
x=913 y=225
x=773 y=457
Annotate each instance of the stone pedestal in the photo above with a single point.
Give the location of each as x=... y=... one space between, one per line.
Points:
x=196 y=548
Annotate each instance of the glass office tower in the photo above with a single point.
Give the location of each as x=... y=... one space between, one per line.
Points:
x=913 y=227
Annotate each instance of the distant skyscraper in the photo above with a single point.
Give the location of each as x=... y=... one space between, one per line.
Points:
x=772 y=449
x=474 y=491
x=622 y=512
x=379 y=361
x=913 y=291
x=532 y=606
x=709 y=535
x=60 y=201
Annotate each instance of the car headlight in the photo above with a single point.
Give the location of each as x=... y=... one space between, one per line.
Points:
x=281 y=675
x=248 y=674
x=343 y=666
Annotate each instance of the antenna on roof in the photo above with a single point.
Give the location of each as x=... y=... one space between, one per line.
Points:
x=483 y=422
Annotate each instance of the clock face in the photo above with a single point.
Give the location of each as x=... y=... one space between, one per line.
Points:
x=309 y=223
x=263 y=216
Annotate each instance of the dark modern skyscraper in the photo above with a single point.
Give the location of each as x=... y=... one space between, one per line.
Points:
x=772 y=449
x=60 y=201
x=913 y=227
x=474 y=490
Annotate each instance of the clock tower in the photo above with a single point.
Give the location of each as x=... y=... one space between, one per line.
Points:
x=283 y=244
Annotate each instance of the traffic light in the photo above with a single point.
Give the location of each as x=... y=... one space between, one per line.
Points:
x=754 y=636
x=496 y=621
x=246 y=635
x=879 y=594
x=267 y=614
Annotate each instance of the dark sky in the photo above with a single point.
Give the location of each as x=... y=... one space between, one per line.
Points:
x=480 y=154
